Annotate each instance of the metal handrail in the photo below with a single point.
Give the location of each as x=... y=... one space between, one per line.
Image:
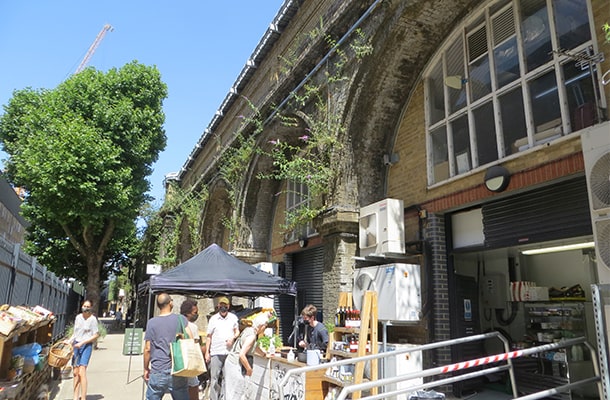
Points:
x=429 y=346
x=507 y=356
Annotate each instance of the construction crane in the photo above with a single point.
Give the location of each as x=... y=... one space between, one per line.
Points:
x=96 y=42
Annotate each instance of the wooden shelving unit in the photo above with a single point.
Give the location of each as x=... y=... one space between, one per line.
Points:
x=39 y=332
x=366 y=332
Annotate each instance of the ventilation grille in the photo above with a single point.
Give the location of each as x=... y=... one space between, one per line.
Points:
x=477 y=44
x=503 y=26
x=600 y=183
x=602 y=228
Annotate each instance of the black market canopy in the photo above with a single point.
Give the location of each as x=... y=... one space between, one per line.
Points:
x=214 y=271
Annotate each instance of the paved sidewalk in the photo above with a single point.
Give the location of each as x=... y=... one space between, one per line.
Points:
x=108 y=374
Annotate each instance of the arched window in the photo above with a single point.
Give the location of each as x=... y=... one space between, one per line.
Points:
x=297 y=196
x=516 y=74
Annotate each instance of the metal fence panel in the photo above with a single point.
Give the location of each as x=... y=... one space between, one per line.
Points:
x=20 y=289
x=35 y=293
x=5 y=282
x=44 y=298
x=6 y=252
x=39 y=272
x=24 y=263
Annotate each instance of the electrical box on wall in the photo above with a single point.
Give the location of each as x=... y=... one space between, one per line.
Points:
x=494 y=291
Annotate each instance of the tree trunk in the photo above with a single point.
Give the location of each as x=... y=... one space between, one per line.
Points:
x=94 y=266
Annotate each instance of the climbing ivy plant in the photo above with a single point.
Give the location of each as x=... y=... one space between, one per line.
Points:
x=310 y=158
x=235 y=161
x=181 y=206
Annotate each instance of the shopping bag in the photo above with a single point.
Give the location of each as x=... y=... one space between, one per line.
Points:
x=187 y=358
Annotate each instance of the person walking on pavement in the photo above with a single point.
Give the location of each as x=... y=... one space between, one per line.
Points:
x=189 y=309
x=160 y=332
x=85 y=334
x=118 y=319
x=223 y=329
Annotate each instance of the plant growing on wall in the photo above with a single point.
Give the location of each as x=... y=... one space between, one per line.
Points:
x=312 y=159
x=180 y=206
x=309 y=159
x=234 y=163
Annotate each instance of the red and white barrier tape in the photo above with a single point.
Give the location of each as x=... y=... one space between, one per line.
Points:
x=481 y=361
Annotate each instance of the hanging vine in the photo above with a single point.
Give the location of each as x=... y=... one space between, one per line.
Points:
x=312 y=159
x=308 y=160
x=181 y=206
x=234 y=163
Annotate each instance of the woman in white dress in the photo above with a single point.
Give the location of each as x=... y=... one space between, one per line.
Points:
x=239 y=363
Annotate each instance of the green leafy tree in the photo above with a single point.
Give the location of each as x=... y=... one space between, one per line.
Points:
x=83 y=152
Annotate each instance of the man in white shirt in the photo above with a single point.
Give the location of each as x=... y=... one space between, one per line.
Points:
x=223 y=328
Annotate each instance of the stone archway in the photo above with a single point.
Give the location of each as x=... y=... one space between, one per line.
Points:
x=259 y=197
x=406 y=36
x=218 y=208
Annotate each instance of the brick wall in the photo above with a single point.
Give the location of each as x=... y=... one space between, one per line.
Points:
x=435 y=235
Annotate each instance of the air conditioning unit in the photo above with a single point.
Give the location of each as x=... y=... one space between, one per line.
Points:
x=596 y=152
x=398 y=288
x=381 y=228
x=273 y=269
x=269 y=267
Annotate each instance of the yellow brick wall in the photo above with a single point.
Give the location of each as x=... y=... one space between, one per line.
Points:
x=407 y=179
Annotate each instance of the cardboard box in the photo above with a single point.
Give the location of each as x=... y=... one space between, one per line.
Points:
x=536 y=293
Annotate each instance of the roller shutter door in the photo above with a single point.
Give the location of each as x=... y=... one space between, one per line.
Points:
x=553 y=212
x=306 y=269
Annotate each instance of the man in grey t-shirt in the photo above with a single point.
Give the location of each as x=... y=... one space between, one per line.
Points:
x=160 y=332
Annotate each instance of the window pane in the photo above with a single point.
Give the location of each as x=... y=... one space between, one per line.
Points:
x=507 y=62
x=581 y=97
x=439 y=154
x=480 y=78
x=514 y=130
x=536 y=33
x=487 y=149
x=455 y=70
x=545 y=105
x=571 y=22
x=505 y=53
x=436 y=102
x=461 y=144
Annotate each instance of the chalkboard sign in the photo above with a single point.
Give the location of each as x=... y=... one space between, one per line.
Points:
x=132 y=341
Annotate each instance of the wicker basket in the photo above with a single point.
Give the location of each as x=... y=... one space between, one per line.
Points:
x=60 y=354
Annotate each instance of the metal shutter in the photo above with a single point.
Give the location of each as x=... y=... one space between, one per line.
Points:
x=549 y=213
x=305 y=268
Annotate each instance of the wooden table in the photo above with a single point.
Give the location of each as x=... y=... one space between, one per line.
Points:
x=268 y=372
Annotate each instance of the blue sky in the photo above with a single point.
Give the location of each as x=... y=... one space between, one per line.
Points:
x=199 y=46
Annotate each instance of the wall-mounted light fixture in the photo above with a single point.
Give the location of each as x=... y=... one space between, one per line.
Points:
x=303 y=242
x=390 y=159
x=497 y=178
x=555 y=249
